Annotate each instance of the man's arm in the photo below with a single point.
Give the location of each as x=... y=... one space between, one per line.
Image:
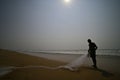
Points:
x=96 y=47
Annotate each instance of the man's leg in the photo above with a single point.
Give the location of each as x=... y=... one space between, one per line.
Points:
x=94 y=61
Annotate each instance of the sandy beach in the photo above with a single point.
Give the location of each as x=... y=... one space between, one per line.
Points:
x=108 y=68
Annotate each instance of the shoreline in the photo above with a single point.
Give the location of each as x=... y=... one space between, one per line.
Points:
x=108 y=68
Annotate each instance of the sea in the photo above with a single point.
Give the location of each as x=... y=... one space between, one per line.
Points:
x=70 y=55
x=111 y=52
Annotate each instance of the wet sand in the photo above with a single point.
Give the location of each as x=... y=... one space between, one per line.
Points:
x=108 y=68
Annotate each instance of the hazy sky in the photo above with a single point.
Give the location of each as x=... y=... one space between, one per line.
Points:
x=56 y=25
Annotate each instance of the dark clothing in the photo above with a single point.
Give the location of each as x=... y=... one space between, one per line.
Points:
x=92 y=52
x=92 y=46
x=93 y=56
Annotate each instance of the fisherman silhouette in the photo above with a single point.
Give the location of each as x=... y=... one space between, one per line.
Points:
x=92 y=52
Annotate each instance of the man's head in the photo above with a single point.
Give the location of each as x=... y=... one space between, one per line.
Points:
x=89 y=40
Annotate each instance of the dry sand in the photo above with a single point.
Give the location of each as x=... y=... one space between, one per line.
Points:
x=11 y=58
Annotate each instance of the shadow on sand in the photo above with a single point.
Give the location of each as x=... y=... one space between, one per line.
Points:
x=103 y=72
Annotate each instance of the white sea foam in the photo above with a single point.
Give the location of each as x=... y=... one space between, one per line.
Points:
x=68 y=56
x=113 y=52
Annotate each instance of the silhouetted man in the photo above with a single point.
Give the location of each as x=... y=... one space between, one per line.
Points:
x=92 y=52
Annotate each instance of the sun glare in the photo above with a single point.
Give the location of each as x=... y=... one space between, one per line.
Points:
x=67 y=1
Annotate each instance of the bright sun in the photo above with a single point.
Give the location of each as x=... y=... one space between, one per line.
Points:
x=67 y=1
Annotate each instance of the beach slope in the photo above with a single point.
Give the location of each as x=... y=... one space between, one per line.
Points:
x=12 y=58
